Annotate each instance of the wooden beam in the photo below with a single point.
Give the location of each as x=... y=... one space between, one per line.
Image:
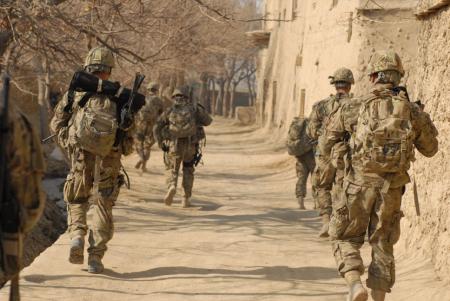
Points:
x=424 y=13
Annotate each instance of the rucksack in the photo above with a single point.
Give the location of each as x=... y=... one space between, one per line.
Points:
x=384 y=137
x=298 y=142
x=182 y=121
x=95 y=129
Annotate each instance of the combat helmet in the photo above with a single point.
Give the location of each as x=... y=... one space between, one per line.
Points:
x=99 y=59
x=386 y=61
x=153 y=86
x=181 y=91
x=342 y=75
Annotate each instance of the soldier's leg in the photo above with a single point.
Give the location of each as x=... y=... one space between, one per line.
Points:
x=311 y=165
x=173 y=167
x=77 y=190
x=384 y=232
x=102 y=228
x=145 y=156
x=324 y=178
x=138 y=146
x=302 y=177
x=348 y=226
x=188 y=173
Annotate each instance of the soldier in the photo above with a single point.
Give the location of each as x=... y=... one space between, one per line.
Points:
x=300 y=145
x=145 y=121
x=324 y=172
x=383 y=130
x=22 y=199
x=94 y=173
x=179 y=132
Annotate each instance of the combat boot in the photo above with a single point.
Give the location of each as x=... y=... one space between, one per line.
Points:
x=186 y=202
x=301 y=203
x=144 y=167
x=356 y=292
x=76 y=255
x=95 y=265
x=168 y=200
x=326 y=223
x=138 y=164
x=378 y=295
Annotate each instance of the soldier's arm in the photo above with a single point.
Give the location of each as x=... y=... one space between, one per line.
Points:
x=334 y=133
x=203 y=118
x=60 y=119
x=426 y=133
x=314 y=123
x=159 y=126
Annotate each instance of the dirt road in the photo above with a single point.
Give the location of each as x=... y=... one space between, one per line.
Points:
x=244 y=240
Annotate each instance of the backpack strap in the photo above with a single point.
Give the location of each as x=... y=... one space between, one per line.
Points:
x=83 y=101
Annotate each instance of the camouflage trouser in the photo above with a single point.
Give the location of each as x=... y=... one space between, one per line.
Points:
x=182 y=152
x=360 y=210
x=143 y=148
x=79 y=189
x=305 y=166
x=323 y=179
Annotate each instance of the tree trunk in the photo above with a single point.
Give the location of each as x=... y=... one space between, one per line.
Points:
x=213 y=96
x=221 y=96
x=43 y=95
x=232 y=101
x=251 y=99
x=227 y=99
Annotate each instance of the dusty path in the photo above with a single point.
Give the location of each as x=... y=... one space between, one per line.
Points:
x=245 y=240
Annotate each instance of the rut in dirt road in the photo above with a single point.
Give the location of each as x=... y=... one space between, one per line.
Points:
x=244 y=239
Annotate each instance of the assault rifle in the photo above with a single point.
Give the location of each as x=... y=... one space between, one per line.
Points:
x=126 y=114
x=414 y=183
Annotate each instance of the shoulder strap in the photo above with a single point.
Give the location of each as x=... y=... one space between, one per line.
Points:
x=83 y=101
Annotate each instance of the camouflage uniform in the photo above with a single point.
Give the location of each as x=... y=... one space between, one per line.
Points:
x=23 y=188
x=304 y=167
x=325 y=173
x=145 y=121
x=181 y=151
x=371 y=201
x=80 y=186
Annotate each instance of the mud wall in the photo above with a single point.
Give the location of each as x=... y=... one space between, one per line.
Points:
x=430 y=232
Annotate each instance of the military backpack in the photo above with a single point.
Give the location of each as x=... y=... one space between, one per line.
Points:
x=298 y=142
x=182 y=121
x=384 y=138
x=95 y=129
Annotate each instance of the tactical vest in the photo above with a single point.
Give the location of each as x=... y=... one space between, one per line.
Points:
x=383 y=141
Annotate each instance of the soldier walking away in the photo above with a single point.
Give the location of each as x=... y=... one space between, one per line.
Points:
x=22 y=199
x=145 y=121
x=180 y=134
x=301 y=146
x=324 y=173
x=89 y=128
x=382 y=141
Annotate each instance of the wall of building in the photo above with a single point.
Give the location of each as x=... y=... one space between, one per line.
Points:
x=429 y=233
